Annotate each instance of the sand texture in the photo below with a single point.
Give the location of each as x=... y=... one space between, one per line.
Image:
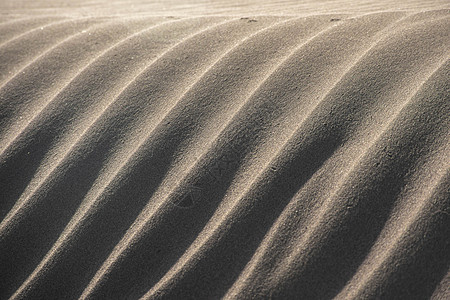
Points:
x=213 y=149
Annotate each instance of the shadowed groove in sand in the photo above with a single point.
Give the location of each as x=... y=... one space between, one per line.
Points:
x=137 y=231
x=363 y=282
x=269 y=147
x=21 y=75
x=145 y=26
x=280 y=222
x=315 y=220
x=86 y=293
x=79 y=73
x=319 y=219
x=428 y=186
x=327 y=207
x=65 y=86
x=156 y=288
x=264 y=170
x=118 y=94
x=158 y=58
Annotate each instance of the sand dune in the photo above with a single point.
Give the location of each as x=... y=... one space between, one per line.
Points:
x=206 y=150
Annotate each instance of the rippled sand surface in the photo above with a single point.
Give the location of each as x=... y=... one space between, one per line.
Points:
x=224 y=149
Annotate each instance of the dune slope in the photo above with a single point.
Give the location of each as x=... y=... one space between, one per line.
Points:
x=217 y=154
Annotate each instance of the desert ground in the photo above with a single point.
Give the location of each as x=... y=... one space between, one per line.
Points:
x=224 y=149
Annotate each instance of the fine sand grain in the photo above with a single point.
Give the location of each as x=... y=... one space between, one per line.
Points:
x=224 y=149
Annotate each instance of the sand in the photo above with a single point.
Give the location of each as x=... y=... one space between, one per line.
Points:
x=224 y=149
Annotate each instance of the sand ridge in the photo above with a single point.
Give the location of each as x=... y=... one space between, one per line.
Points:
x=237 y=152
